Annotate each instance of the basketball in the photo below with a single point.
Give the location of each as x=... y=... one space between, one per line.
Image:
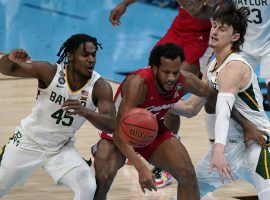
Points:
x=139 y=127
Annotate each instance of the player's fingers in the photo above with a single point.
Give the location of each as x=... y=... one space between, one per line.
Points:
x=211 y=168
x=153 y=180
x=262 y=141
x=112 y=18
x=71 y=112
x=142 y=187
x=228 y=174
x=221 y=176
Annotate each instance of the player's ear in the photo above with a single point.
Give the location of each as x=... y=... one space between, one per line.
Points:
x=69 y=56
x=235 y=37
x=155 y=69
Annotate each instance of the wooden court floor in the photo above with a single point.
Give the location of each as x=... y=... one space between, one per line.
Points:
x=17 y=97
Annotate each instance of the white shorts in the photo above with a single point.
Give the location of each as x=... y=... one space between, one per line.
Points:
x=263 y=61
x=244 y=164
x=21 y=157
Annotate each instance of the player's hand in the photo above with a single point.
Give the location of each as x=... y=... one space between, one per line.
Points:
x=116 y=14
x=18 y=56
x=218 y=161
x=147 y=180
x=73 y=107
x=251 y=132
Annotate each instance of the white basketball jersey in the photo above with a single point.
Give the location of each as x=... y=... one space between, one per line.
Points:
x=248 y=101
x=49 y=125
x=257 y=38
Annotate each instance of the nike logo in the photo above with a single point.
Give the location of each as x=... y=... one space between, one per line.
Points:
x=59 y=86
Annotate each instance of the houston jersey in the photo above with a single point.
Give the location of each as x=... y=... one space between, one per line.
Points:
x=49 y=125
x=154 y=102
x=248 y=101
x=257 y=38
x=184 y=24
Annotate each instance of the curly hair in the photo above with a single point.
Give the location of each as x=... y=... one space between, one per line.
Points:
x=167 y=50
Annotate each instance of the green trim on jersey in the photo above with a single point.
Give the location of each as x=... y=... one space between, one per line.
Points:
x=263 y=166
x=2 y=150
x=248 y=96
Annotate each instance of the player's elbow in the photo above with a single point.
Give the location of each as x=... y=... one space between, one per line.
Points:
x=112 y=125
x=117 y=140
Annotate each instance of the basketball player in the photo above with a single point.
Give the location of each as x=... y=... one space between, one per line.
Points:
x=256 y=48
x=192 y=35
x=155 y=88
x=68 y=95
x=237 y=86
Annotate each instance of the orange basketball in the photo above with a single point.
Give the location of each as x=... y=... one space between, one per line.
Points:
x=139 y=127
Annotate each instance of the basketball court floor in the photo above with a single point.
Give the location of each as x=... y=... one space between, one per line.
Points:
x=40 y=26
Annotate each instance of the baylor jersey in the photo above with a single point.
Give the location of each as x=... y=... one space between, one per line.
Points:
x=248 y=101
x=257 y=38
x=49 y=125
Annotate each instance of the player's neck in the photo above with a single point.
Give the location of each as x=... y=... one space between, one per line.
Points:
x=75 y=81
x=222 y=54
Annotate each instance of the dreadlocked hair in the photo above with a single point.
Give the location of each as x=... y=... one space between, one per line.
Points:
x=236 y=17
x=73 y=43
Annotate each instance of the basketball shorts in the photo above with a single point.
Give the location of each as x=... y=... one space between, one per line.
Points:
x=146 y=152
x=250 y=164
x=20 y=157
x=193 y=45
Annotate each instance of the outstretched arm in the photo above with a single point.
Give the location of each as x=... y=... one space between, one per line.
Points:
x=193 y=85
x=16 y=64
x=188 y=108
x=118 y=11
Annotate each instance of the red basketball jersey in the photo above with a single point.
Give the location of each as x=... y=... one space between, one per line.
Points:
x=184 y=23
x=154 y=102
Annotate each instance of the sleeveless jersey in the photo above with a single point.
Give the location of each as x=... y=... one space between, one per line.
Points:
x=257 y=38
x=48 y=125
x=186 y=25
x=248 y=101
x=154 y=102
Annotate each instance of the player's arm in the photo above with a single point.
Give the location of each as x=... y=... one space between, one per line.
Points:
x=118 y=11
x=192 y=106
x=17 y=64
x=193 y=85
x=229 y=82
x=188 y=108
x=105 y=118
x=200 y=8
x=133 y=93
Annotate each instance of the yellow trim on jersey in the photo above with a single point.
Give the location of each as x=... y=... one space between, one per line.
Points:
x=251 y=99
x=69 y=88
x=216 y=66
x=265 y=163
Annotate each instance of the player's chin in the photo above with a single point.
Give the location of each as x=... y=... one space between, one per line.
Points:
x=168 y=88
x=88 y=74
x=211 y=44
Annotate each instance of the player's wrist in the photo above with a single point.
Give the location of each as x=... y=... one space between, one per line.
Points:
x=7 y=59
x=219 y=148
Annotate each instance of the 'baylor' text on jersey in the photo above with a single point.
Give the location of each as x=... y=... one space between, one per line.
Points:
x=49 y=125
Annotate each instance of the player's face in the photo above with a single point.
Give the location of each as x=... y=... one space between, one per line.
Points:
x=167 y=74
x=84 y=59
x=221 y=36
